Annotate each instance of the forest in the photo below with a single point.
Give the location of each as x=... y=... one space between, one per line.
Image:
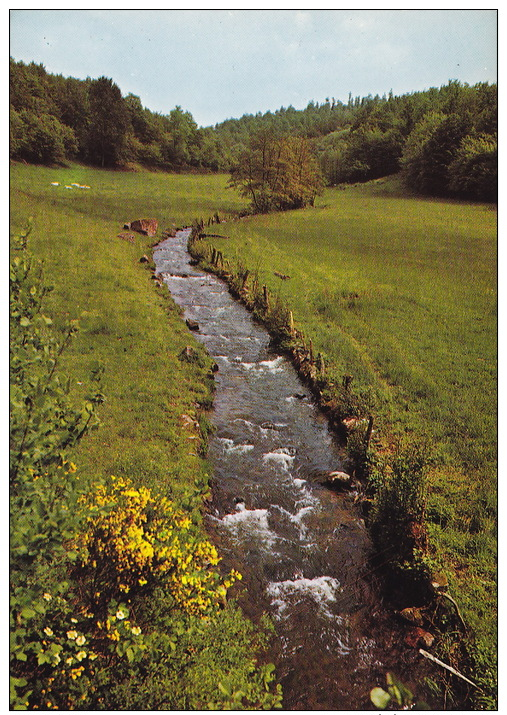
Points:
x=444 y=140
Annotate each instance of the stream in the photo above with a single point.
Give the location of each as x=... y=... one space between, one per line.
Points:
x=303 y=549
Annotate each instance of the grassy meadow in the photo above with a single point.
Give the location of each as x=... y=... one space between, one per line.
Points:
x=401 y=293
x=398 y=291
x=127 y=326
x=153 y=423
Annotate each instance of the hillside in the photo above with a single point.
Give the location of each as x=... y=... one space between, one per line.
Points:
x=445 y=139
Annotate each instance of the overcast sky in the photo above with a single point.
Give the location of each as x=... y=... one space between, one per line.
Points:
x=225 y=63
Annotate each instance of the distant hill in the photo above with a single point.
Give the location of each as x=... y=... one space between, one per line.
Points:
x=444 y=140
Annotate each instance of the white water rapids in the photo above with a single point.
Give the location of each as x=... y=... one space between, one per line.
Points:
x=303 y=550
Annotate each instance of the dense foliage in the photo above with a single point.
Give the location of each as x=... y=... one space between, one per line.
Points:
x=371 y=137
x=116 y=598
x=445 y=139
x=54 y=119
x=277 y=172
x=431 y=135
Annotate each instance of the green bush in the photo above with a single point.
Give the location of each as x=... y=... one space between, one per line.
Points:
x=41 y=138
x=474 y=171
x=397 y=520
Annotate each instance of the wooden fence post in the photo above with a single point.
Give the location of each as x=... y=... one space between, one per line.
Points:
x=368 y=433
x=291 y=323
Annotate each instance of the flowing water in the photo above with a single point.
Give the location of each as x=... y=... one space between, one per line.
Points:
x=303 y=550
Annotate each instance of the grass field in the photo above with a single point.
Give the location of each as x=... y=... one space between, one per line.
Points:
x=125 y=326
x=153 y=424
x=396 y=290
x=399 y=291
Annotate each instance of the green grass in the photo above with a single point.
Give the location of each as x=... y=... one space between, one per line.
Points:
x=399 y=291
x=133 y=330
x=126 y=325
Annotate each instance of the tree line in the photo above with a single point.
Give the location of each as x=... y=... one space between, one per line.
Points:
x=54 y=119
x=443 y=140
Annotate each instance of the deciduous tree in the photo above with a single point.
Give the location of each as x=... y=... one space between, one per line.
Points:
x=474 y=171
x=277 y=172
x=430 y=150
x=108 y=123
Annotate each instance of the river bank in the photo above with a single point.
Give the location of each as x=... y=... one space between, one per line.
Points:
x=130 y=335
x=303 y=550
x=264 y=295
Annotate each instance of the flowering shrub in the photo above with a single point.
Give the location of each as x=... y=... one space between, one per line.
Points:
x=134 y=542
x=125 y=544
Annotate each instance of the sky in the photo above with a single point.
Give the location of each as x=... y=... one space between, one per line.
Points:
x=219 y=64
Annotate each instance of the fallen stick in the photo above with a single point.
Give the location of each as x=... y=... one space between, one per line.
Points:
x=451 y=599
x=447 y=667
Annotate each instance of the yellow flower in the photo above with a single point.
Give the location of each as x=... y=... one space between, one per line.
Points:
x=48 y=631
x=136 y=630
x=120 y=615
x=131 y=493
x=47 y=596
x=71 y=635
x=80 y=640
x=81 y=655
x=76 y=672
x=146 y=550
